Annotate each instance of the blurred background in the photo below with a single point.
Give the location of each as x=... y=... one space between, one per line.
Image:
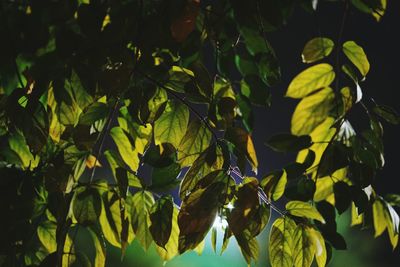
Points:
x=381 y=42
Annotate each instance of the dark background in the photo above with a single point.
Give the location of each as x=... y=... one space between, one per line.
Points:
x=381 y=42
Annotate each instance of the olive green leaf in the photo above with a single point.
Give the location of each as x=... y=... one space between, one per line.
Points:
x=387 y=113
x=170 y=249
x=310 y=80
x=161 y=220
x=304 y=246
x=357 y=56
x=289 y=143
x=99 y=245
x=197 y=214
x=244 y=144
x=86 y=205
x=46 y=232
x=311 y=111
x=141 y=203
x=245 y=207
x=125 y=147
x=113 y=221
x=304 y=209
x=171 y=126
x=195 y=141
x=316 y=49
x=209 y=160
x=281 y=242
x=274 y=184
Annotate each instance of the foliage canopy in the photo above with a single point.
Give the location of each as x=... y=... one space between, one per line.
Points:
x=169 y=86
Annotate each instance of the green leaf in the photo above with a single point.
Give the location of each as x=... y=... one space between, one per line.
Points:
x=141 y=203
x=86 y=205
x=195 y=141
x=113 y=221
x=312 y=111
x=125 y=148
x=357 y=56
x=289 y=143
x=244 y=144
x=392 y=222
x=387 y=113
x=310 y=80
x=209 y=160
x=99 y=246
x=274 y=184
x=281 y=242
x=171 y=248
x=376 y=8
x=304 y=209
x=304 y=248
x=46 y=232
x=171 y=126
x=161 y=220
x=317 y=49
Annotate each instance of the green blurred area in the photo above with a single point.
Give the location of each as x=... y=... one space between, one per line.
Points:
x=363 y=251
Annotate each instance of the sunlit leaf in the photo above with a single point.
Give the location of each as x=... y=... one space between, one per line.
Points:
x=304 y=209
x=281 y=242
x=274 y=184
x=311 y=111
x=317 y=49
x=171 y=126
x=195 y=141
x=320 y=248
x=46 y=232
x=125 y=148
x=357 y=56
x=378 y=213
x=310 y=80
x=142 y=202
x=304 y=247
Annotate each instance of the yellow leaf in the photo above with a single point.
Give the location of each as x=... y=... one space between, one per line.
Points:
x=312 y=111
x=310 y=80
x=91 y=161
x=357 y=56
